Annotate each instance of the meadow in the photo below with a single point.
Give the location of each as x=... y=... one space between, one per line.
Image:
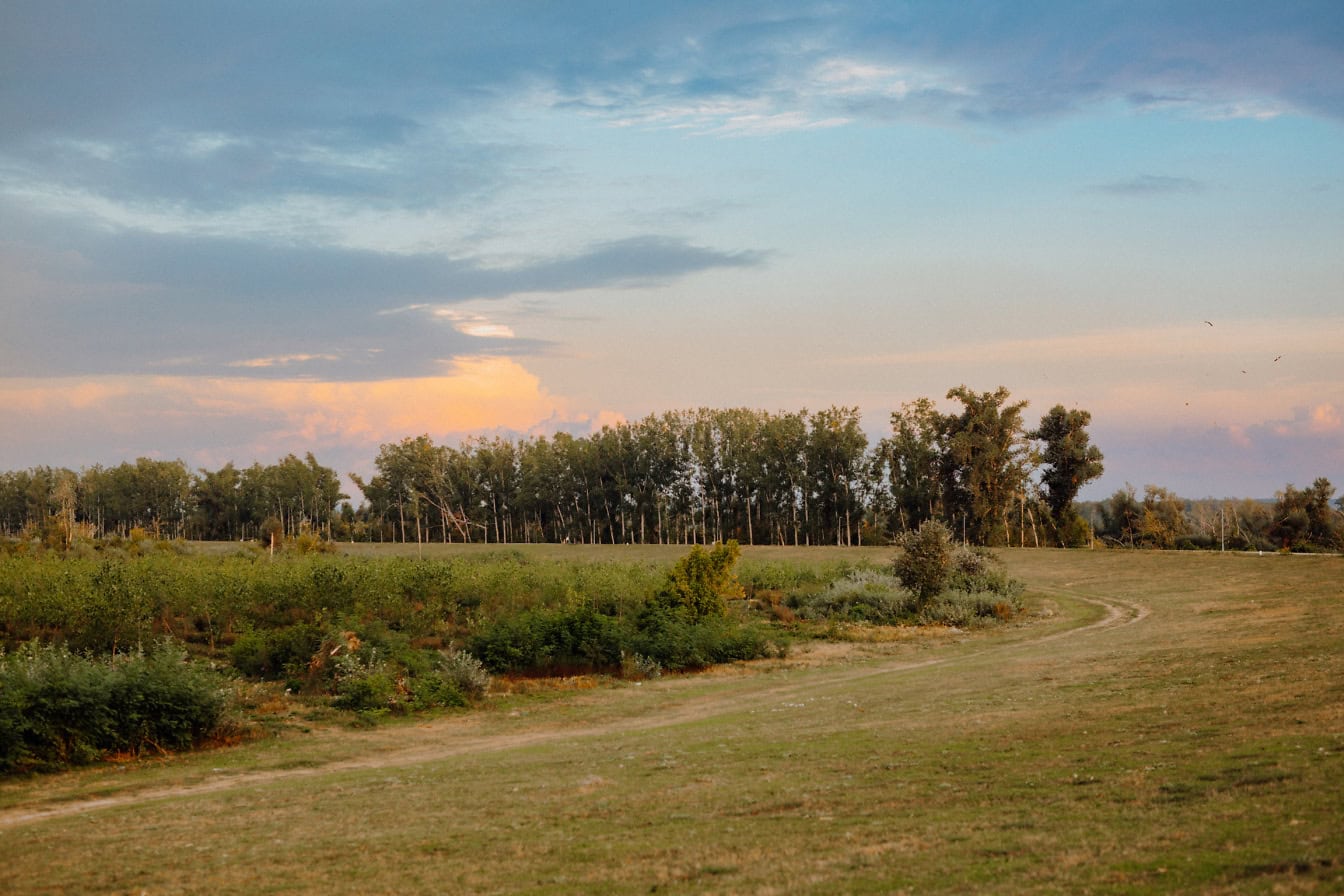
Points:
x=1154 y=722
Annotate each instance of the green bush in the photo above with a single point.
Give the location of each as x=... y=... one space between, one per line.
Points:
x=362 y=681
x=861 y=596
x=59 y=708
x=979 y=571
x=925 y=560
x=675 y=641
x=541 y=641
x=583 y=639
x=370 y=681
x=702 y=582
x=276 y=654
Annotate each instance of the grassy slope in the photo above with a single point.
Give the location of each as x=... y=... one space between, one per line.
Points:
x=1196 y=744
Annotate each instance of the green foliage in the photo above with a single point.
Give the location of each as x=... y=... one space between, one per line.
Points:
x=978 y=571
x=985 y=461
x=1303 y=520
x=662 y=634
x=964 y=609
x=277 y=653
x=702 y=582
x=792 y=575
x=1074 y=531
x=59 y=708
x=548 y=641
x=862 y=596
x=925 y=560
x=668 y=636
x=974 y=587
x=1071 y=461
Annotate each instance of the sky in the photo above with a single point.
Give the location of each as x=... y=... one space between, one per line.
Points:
x=233 y=231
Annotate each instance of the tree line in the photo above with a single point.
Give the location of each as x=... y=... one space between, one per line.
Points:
x=713 y=475
x=165 y=499
x=1296 y=520
x=684 y=477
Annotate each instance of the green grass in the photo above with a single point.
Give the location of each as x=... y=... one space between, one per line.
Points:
x=1193 y=744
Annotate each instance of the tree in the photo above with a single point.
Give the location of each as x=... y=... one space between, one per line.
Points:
x=912 y=455
x=1070 y=461
x=218 y=501
x=1163 y=523
x=1303 y=520
x=1121 y=515
x=985 y=462
x=836 y=451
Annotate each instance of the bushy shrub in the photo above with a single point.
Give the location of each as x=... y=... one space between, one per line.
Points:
x=59 y=708
x=464 y=672
x=861 y=596
x=541 y=641
x=369 y=681
x=925 y=560
x=979 y=571
x=277 y=653
x=363 y=681
x=637 y=666
x=702 y=582
x=669 y=637
x=581 y=638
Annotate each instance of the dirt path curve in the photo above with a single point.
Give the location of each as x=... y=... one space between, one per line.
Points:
x=446 y=738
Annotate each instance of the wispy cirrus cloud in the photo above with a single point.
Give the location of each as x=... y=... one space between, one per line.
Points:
x=1150 y=185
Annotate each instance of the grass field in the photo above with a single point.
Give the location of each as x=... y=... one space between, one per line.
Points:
x=1163 y=723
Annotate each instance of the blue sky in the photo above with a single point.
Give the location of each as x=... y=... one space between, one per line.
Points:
x=232 y=233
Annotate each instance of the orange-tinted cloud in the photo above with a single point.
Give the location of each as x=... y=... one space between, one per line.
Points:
x=247 y=419
x=1326 y=418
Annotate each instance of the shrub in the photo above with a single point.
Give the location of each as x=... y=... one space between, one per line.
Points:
x=276 y=653
x=925 y=560
x=978 y=571
x=550 y=641
x=861 y=596
x=669 y=637
x=702 y=582
x=59 y=708
x=363 y=682
x=464 y=672
x=638 y=666
x=367 y=680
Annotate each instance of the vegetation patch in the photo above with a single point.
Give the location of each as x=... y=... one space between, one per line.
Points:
x=60 y=708
x=389 y=636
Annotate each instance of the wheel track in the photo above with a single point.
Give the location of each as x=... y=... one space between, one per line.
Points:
x=432 y=746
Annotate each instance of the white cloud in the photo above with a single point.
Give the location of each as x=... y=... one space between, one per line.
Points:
x=474 y=324
x=281 y=361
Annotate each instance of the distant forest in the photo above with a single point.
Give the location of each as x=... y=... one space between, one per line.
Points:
x=692 y=476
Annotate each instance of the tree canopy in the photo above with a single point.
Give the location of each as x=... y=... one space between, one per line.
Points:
x=699 y=476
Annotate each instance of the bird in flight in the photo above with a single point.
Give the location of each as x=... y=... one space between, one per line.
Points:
x=1209 y=322
x=1276 y=359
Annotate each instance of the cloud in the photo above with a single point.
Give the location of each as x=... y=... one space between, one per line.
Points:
x=78 y=422
x=217 y=106
x=118 y=302
x=1325 y=419
x=1151 y=185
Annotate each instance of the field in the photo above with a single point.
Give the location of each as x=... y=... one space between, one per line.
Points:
x=1162 y=722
